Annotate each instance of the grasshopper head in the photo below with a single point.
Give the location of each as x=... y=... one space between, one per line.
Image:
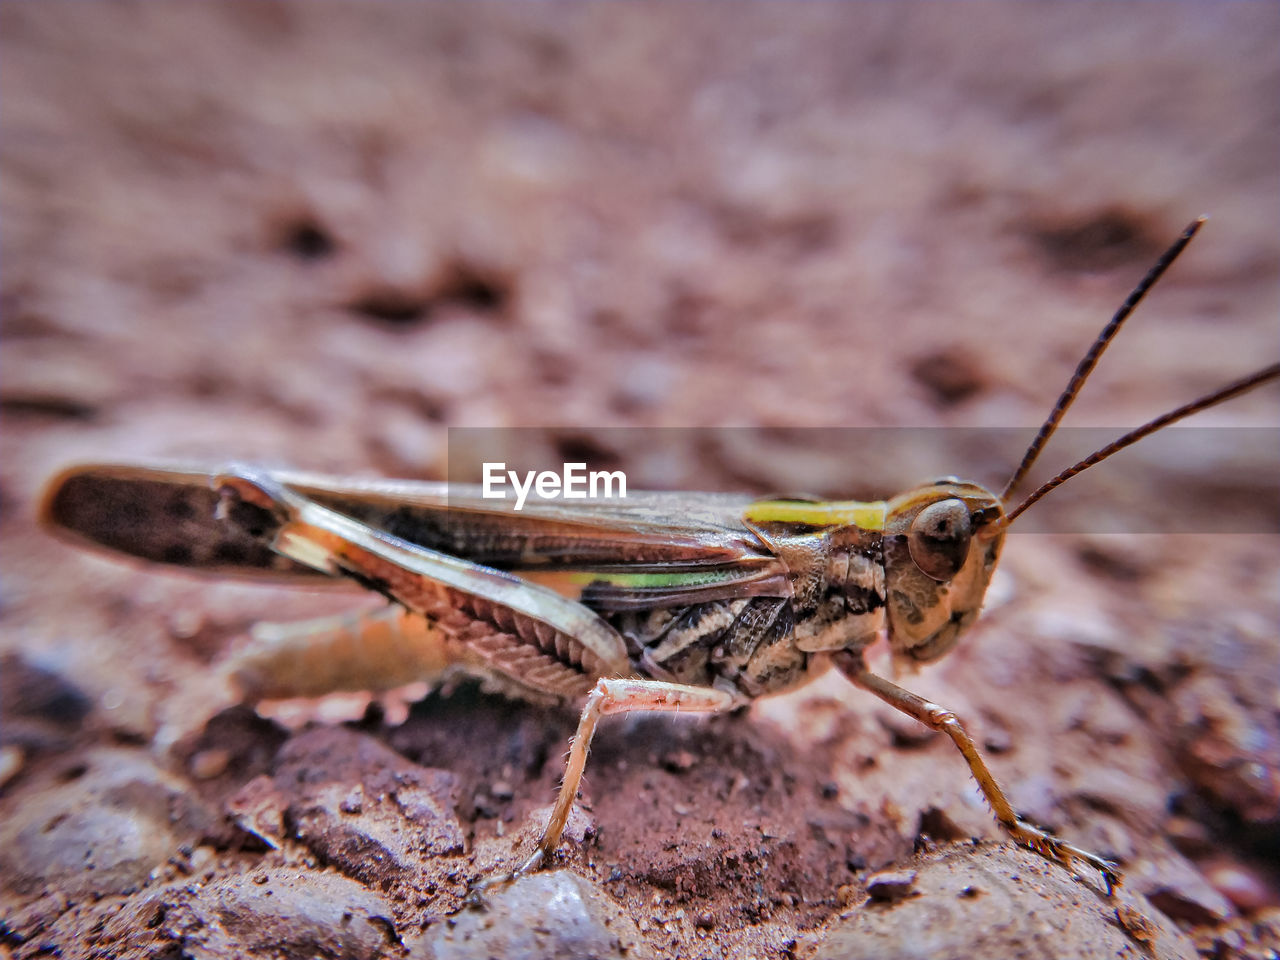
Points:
x=941 y=543
x=942 y=540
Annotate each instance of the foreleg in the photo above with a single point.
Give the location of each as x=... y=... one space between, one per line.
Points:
x=940 y=718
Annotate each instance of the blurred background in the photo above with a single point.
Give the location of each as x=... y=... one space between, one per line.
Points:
x=322 y=234
x=325 y=234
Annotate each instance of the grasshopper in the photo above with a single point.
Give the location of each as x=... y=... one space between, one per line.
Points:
x=662 y=602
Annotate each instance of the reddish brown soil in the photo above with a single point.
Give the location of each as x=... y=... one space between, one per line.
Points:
x=321 y=234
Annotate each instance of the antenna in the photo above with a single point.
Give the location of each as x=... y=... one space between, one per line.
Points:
x=1090 y=359
x=1195 y=406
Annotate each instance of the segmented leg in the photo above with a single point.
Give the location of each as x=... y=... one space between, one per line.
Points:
x=618 y=695
x=939 y=718
x=507 y=626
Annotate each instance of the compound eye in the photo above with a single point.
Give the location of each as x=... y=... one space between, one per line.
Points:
x=939 y=539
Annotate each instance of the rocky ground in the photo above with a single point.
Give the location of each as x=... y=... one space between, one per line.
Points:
x=324 y=234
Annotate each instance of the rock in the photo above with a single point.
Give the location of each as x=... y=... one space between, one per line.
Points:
x=1229 y=751
x=1244 y=886
x=42 y=710
x=292 y=913
x=546 y=916
x=32 y=692
x=1001 y=901
x=891 y=885
x=1177 y=888
x=208 y=764
x=83 y=848
x=102 y=832
x=1137 y=924
x=363 y=807
x=258 y=808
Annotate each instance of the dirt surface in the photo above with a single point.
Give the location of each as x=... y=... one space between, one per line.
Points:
x=323 y=234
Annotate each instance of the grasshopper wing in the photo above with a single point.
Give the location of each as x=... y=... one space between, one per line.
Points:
x=162 y=514
x=654 y=549
x=515 y=628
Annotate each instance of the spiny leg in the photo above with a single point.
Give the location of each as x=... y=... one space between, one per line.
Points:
x=617 y=695
x=940 y=718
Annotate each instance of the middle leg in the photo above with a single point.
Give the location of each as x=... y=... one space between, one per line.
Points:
x=609 y=696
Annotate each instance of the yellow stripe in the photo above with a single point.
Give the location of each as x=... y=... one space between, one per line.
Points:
x=831 y=513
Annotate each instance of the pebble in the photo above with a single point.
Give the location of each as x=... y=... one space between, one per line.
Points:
x=551 y=916
x=678 y=761
x=258 y=808
x=353 y=802
x=315 y=914
x=104 y=831
x=33 y=692
x=1246 y=890
x=891 y=885
x=1046 y=914
x=1178 y=889
x=11 y=762
x=208 y=764
x=1136 y=923
x=185 y=624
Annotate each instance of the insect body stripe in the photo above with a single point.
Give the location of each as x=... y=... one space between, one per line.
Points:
x=838 y=513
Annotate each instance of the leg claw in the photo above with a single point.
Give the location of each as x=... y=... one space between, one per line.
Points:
x=1051 y=848
x=479 y=891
